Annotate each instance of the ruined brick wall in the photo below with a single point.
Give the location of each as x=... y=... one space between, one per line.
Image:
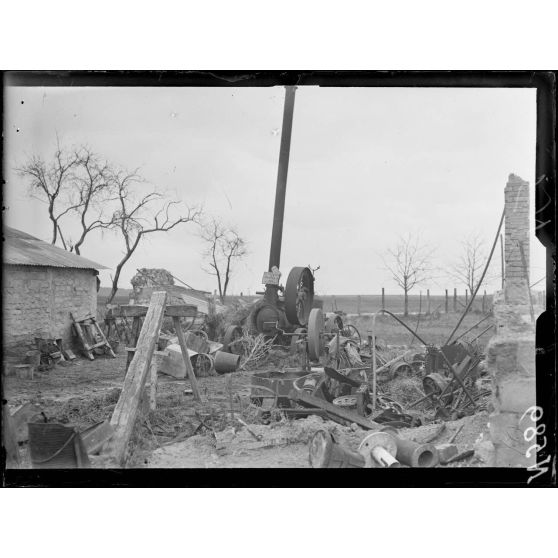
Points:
x=37 y=302
x=511 y=352
x=516 y=238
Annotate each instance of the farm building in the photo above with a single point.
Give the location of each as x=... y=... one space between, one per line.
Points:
x=41 y=285
x=146 y=281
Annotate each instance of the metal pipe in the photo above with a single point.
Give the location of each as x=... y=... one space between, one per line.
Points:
x=281 y=189
x=481 y=333
x=384 y=458
x=471 y=328
x=474 y=294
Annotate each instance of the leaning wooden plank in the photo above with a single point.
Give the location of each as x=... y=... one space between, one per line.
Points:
x=171 y=311
x=125 y=412
x=186 y=357
x=303 y=397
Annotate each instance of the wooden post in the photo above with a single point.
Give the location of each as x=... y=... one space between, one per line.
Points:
x=466 y=297
x=153 y=377
x=383 y=299
x=358 y=305
x=428 y=301
x=420 y=302
x=454 y=299
x=186 y=358
x=484 y=302
x=447 y=301
x=125 y=413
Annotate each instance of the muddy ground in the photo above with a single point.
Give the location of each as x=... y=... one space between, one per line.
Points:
x=84 y=392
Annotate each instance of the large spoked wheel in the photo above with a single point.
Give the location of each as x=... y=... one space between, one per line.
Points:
x=352 y=333
x=299 y=295
x=315 y=333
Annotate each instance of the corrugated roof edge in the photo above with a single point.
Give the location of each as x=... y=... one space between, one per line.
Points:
x=21 y=248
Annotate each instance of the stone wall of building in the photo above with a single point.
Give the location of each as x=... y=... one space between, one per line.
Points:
x=37 y=302
x=511 y=352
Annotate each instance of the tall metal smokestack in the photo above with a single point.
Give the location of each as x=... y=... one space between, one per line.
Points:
x=281 y=189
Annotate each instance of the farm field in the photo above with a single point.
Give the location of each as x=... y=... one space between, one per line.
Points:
x=350 y=303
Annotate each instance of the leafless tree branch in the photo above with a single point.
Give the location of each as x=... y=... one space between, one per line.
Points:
x=409 y=264
x=224 y=245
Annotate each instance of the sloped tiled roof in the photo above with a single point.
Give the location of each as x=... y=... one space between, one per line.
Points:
x=21 y=248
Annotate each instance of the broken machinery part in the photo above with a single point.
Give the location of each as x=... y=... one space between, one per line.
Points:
x=379 y=449
x=315 y=333
x=232 y=335
x=326 y=453
x=299 y=295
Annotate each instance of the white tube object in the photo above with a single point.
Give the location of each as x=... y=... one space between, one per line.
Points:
x=384 y=458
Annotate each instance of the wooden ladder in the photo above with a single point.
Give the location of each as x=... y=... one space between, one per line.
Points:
x=85 y=330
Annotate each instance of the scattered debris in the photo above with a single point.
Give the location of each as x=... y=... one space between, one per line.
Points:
x=446 y=452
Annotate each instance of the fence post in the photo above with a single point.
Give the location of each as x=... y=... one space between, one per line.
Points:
x=428 y=301
x=484 y=302
x=420 y=302
x=383 y=299
x=446 y=305
x=454 y=299
x=358 y=305
x=466 y=297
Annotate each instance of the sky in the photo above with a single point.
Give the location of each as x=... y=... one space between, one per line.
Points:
x=366 y=165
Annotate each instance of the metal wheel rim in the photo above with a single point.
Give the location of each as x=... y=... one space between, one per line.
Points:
x=299 y=295
x=315 y=329
x=349 y=332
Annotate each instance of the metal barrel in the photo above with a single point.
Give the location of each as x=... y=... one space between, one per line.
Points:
x=226 y=362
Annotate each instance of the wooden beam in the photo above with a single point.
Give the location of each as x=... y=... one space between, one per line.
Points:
x=125 y=412
x=153 y=377
x=186 y=358
x=332 y=409
x=171 y=311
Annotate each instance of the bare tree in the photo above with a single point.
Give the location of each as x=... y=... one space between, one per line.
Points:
x=131 y=218
x=224 y=245
x=469 y=266
x=409 y=263
x=94 y=190
x=52 y=183
x=76 y=184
